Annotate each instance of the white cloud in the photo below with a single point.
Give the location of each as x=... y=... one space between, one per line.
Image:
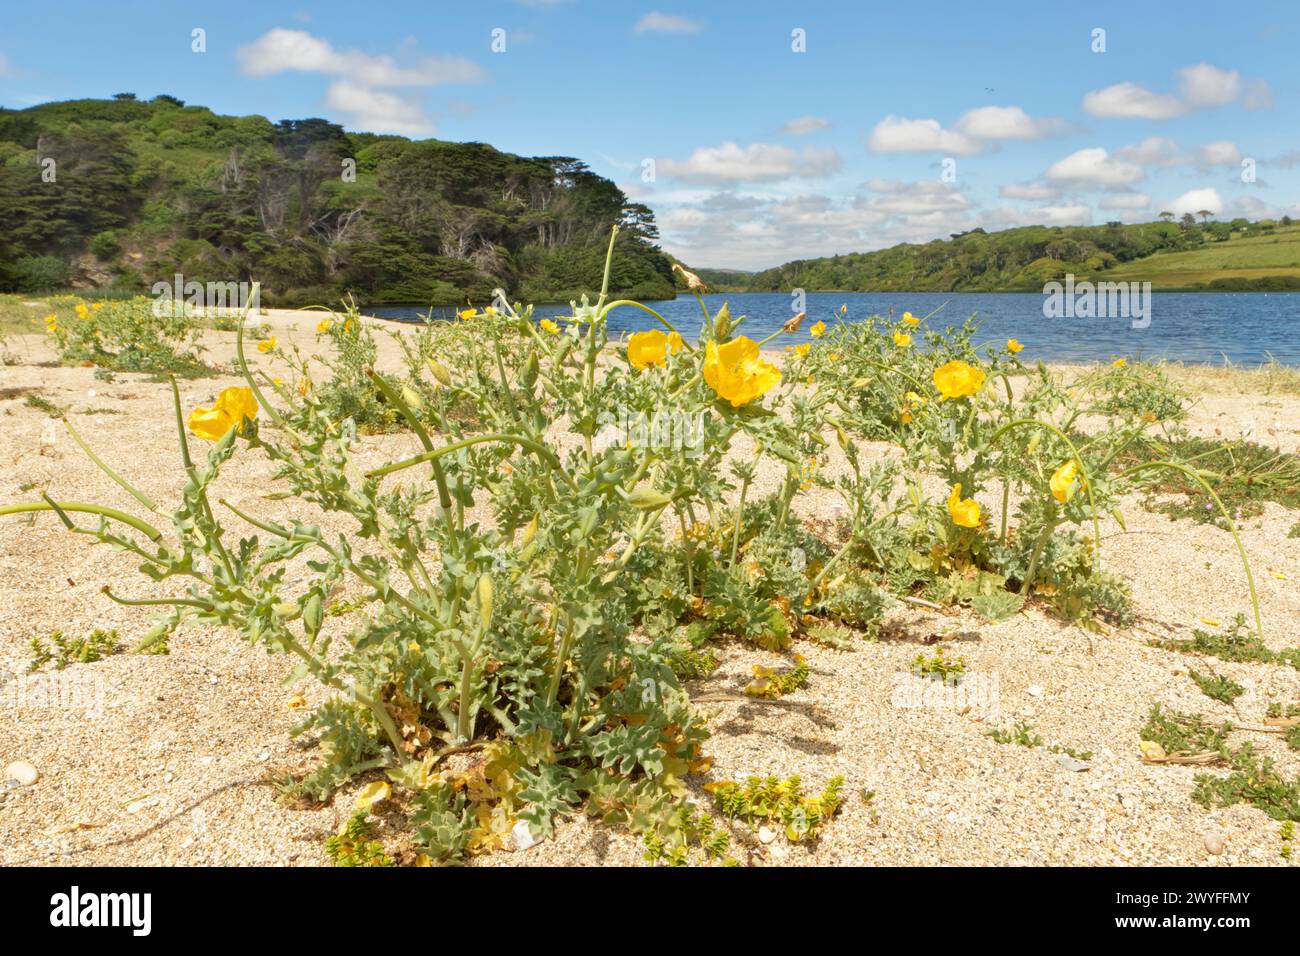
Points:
x=1094 y=167
x=1196 y=200
x=805 y=125
x=356 y=76
x=1005 y=122
x=656 y=22
x=1125 y=201
x=897 y=134
x=1221 y=153
x=378 y=110
x=1207 y=85
x=281 y=50
x=758 y=162
x=1152 y=151
x=1130 y=101
x=1200 y=86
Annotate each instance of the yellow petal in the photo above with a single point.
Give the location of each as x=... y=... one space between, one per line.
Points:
x=371 y=794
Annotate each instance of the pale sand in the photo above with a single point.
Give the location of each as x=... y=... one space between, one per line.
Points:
x=170 y=765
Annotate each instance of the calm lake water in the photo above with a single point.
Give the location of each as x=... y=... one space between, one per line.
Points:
x=1243 y=328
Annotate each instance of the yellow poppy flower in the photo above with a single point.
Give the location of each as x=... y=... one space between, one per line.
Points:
x=266 y=344
x=801 y=350
x=910 y=319
x=547 y=325
x=232 y=407
x=1063 y=481
x=371 y=794
x=1119 y=362
x=675 y=342
x=490 y=310
x=1014 y=346
x=82 y=311
x=736 y=372
x=965 y=512
x=818 y=330
x=647 y=348
x=324 y=326
x=304 y=386
x=466 y=313
x=911 y=402
x=956 y=379
x=96 y=307
x=902 y=340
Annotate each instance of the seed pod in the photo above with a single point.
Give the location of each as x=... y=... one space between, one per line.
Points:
x=530 y=532
x=439 y=371
x=286 y=611
x=529 y=375
x=485 y=595
x=412 y=397
x=647 y=499
x=313 y=615
x=722 y=323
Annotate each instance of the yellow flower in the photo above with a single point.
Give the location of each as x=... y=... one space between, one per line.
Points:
x=736 y=372
x=1119 y=362
x=964 y=512
x=96 y=307
x=277 y=381
x=647 y=348
x=911 y=402
x=232 y=407
x=296 y=702
x=1063 y=481
x=1014 y=346
x=266 y=344
x=547 y=325
x=304 y=386
x=910 y=319
x=801 y=350
x=818 y=330
x=902 y=340
x=490 y=310
x=466 y=313
x=675 y=342
x=371 y=794
x=324 y=326
x=956 y=379
x=82 y=311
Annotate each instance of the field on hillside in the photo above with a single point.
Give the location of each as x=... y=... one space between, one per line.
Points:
x=1251 y=257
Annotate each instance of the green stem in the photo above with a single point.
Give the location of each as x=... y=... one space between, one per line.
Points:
x=139 y=496
x=143 y=527
x=540 y=450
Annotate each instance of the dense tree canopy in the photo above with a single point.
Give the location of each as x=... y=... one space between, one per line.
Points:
x=141 y=190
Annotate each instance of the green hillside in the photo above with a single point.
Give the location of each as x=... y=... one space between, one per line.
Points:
x=1239 y=255
x=144 y=190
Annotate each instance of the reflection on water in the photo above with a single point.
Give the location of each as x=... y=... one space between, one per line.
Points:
x=1243 y=328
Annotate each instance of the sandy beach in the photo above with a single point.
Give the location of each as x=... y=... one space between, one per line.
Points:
x=171 y=759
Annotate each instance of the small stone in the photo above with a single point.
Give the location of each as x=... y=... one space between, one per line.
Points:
x=1071 y=764
x=766 y=835
x=1035 y=690
x=777 y=853
x=22 y=773
x=1214 y=842
x=522 y=836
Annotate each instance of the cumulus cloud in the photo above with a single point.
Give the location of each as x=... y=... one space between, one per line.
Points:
x=1194 y=201
x=1094 y=167
x=897 y=134
x=756 y=163
x=1005 y=122
x=656 y=22
x=1200 y=86
x=805 y=125
x=358 y=77
x=373 y=109
x=1130 y=101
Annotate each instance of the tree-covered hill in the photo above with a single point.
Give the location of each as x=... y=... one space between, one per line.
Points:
x=140 y=191
x=1023 y=259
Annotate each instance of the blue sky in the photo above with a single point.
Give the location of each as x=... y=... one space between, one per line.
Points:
x=897 y=122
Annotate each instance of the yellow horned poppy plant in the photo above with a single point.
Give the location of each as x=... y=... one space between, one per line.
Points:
x=956 y=379
x=232 y=407
x=817 y=330
x=965 y=511
x=910 y=319
x=1014 y=346
x=1063 y=481
x=266 y=344
x=549 y=325
x=902 y=340
x=736 y=371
